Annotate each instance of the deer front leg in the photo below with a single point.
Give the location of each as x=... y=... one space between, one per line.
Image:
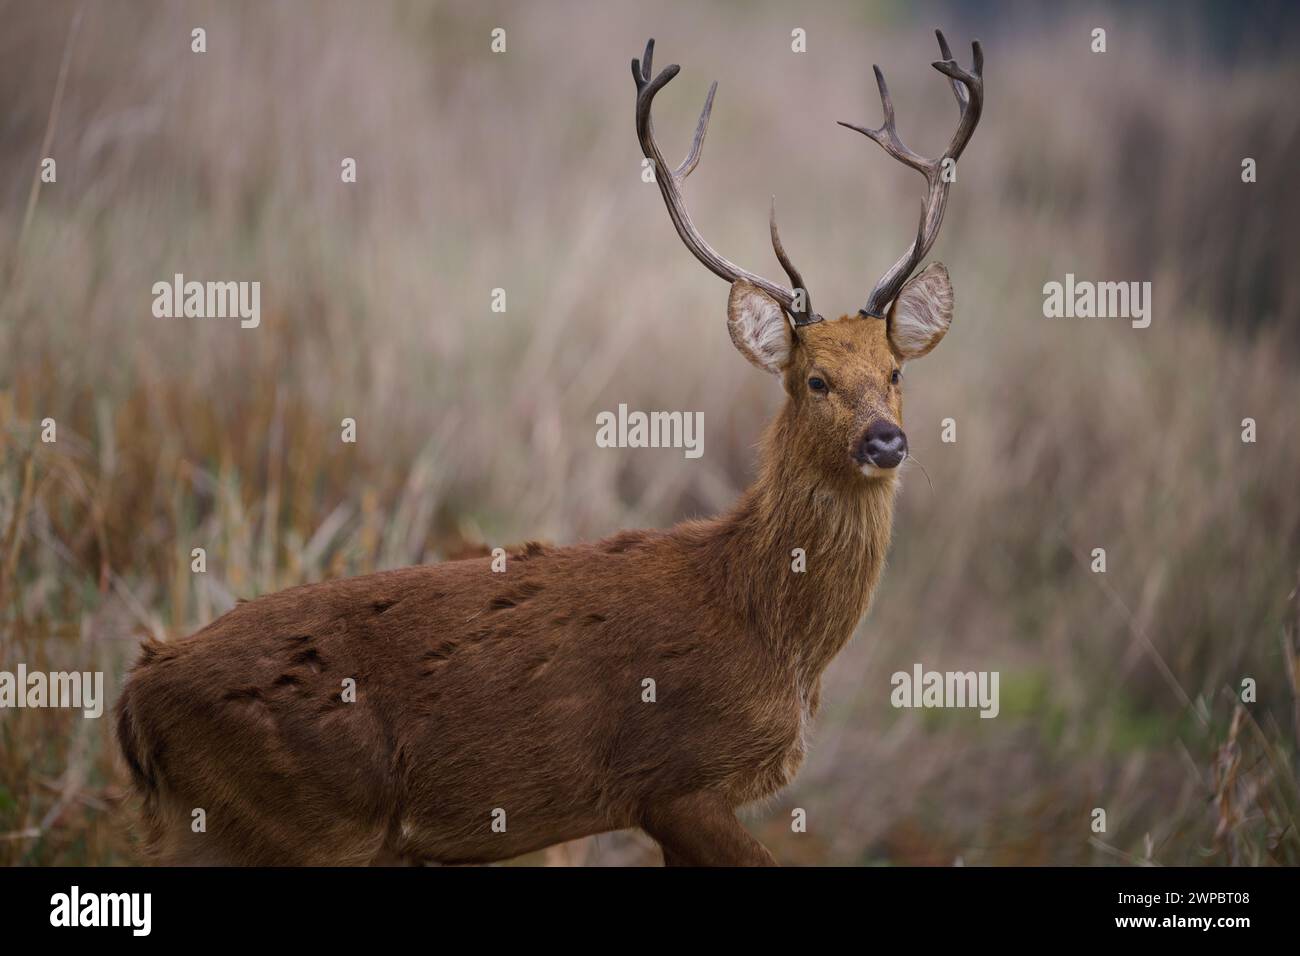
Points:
x=702 y=830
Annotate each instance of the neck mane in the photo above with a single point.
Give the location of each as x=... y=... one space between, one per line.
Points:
x=843 y=524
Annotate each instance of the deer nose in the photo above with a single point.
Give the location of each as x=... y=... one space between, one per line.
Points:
x=884 y=445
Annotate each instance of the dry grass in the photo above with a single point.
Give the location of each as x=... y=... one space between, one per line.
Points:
x=522 y=171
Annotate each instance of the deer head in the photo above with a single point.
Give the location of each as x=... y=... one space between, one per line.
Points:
x=843 y=379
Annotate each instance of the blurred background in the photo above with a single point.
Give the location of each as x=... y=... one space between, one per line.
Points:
x=521 y=171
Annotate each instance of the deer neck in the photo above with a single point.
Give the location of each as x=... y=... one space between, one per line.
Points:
x=842 y=526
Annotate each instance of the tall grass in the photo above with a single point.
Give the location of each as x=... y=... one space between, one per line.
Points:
x=521 y=171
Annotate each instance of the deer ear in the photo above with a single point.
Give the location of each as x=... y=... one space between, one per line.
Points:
x=921 y=313
x=758 y=326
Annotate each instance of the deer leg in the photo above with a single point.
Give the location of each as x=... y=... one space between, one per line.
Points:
x=702 y=830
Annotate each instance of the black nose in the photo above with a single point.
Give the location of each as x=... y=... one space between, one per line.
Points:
x=884 y=445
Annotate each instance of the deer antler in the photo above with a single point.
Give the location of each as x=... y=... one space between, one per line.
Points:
x=968 y=89
x=670 y=185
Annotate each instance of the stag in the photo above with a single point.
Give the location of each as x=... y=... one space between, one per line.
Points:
x=498 y=713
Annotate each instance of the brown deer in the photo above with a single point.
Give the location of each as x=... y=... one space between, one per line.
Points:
x=499 y=712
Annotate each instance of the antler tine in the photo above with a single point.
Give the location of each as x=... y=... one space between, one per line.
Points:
x=887 y=135
x=968 y=89
x=972 y=104
x=641 y=67
x=697 y=144
x=806 y=316
x=670 y=183
x=958 y=90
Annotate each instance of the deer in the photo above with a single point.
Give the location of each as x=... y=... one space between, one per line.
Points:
x=499 y=712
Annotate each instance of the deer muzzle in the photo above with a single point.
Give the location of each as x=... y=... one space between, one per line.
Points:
x=883 y=446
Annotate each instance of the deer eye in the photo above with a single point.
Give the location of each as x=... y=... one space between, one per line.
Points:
x=894 y=378
x=818 y=384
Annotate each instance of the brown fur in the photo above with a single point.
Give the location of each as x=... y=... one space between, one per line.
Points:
x=522 y=690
